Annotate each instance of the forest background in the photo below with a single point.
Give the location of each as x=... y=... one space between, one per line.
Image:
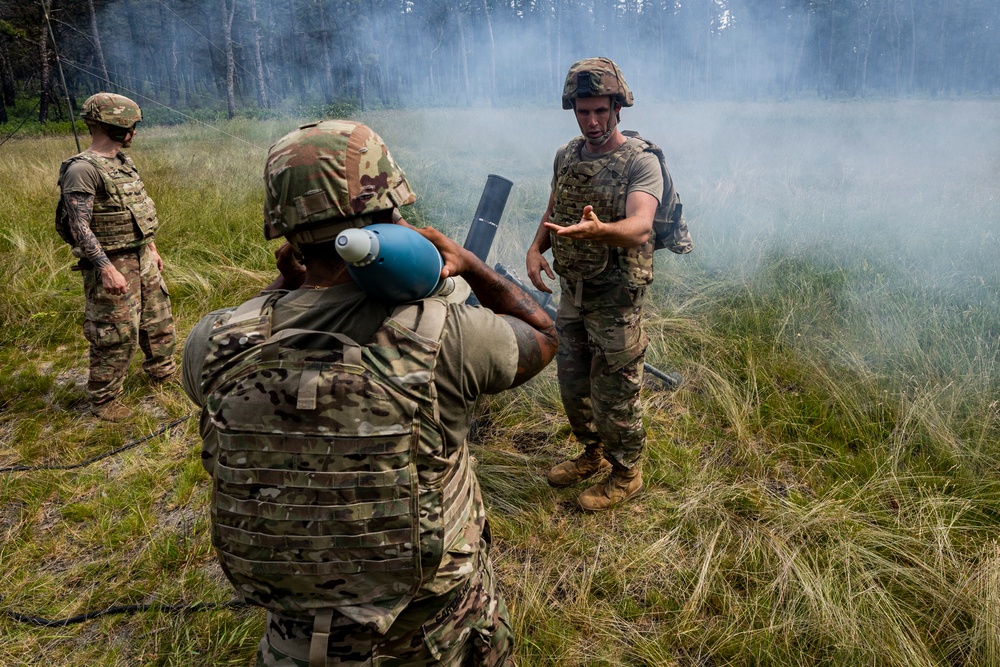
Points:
x=252 y=56
x=824 y=487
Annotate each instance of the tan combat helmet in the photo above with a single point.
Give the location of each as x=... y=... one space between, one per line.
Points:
x=111 y=109
x=594 y=77
x=323 y=177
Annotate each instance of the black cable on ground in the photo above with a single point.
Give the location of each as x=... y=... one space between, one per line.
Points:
x=123 y=609
x=134 y=443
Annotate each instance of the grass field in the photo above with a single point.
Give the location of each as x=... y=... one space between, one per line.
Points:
x=824 y=489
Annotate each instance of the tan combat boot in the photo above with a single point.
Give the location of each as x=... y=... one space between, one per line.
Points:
x=574 y=471
x=110 y=411
x=621 y=484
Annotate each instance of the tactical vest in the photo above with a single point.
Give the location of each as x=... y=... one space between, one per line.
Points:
x=601 y=183
x=332 y=485
x=126 y=219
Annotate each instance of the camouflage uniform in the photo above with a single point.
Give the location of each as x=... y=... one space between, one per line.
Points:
x=124 y=222
x=344 y=500
x=601 y=342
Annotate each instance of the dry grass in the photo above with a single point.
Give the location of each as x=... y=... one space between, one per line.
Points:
x=822 y=490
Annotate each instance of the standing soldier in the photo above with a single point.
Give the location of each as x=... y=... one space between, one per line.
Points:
x=108 y=218
x=605 y=192
x=334 y=428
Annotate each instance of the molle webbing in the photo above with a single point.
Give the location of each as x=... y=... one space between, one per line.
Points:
x=114 y=230
x=601 y=183
x=332 y=488
x=127 y=218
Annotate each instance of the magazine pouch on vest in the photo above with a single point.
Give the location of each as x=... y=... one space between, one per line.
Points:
x=127 y=219
x=331 y=474
x=670 y=231
x=603 y=184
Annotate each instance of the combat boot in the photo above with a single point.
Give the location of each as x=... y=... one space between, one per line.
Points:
x=157 y=380
x=621 y=484
x=110 y=411
x=574 y=471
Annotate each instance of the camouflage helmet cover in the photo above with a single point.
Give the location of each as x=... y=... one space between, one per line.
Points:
x=111 y=109
x=594 y=77
x=325 y=174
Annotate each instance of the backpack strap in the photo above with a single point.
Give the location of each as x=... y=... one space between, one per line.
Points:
x=425 y=318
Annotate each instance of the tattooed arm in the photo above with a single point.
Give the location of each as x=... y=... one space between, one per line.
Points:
x=533 y=328
x=80 y=207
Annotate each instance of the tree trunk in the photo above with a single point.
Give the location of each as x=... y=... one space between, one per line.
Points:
x=463 y=58
x=169 y=23
x=324 y=45
x=45 y=72
x=8 y=88
x=493 y=56
x=258 y=58
x=793 y=84
x=105 y=84
x=228 y=11
x=361 y=77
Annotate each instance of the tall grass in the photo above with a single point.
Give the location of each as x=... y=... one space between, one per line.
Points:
x=822 y=490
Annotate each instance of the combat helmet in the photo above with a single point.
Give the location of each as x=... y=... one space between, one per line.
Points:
x=594 y=77
x=327 y=176
x=111 y=109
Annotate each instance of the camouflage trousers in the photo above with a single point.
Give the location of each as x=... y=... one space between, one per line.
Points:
x=467 y=627
x=602 y=350
x=115 y=324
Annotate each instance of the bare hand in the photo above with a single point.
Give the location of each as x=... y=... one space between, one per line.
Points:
x=156 y=257
x=535 y=263
x=455 y=257
x=291 y=269
x=589 y=227
x=113 y=281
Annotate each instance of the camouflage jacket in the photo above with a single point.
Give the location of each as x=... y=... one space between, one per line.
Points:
x=331 y=488
x=127 y=217
x=603 y=184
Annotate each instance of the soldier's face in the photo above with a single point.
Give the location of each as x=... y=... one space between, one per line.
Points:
x=129 y=136
x=595 y=116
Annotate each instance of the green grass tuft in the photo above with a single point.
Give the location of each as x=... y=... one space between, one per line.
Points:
x=822 y=490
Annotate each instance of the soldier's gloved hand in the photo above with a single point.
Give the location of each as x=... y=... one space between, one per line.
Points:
x=112 y=280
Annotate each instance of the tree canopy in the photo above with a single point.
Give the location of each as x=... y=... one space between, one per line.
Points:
x=242 y=55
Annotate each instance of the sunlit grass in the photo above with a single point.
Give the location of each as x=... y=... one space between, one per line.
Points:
x=822 y=490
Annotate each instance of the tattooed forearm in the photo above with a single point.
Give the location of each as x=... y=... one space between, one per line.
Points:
x=80 y=207
x=534 y=331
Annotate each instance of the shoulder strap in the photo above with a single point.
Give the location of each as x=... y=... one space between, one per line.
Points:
x=250 y=310
x=425 y=318
x=572 y=151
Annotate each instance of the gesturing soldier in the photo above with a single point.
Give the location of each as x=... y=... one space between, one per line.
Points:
x=605 y=191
